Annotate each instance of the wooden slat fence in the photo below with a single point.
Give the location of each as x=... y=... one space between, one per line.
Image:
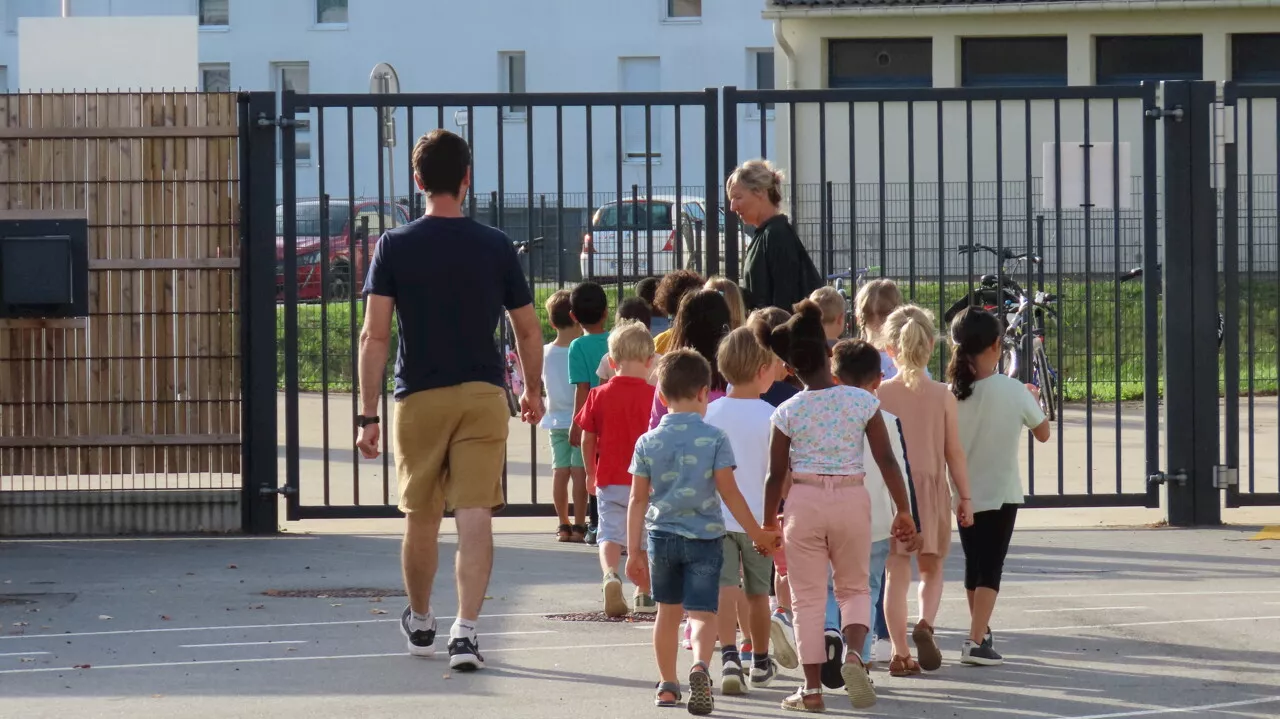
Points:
x=145 y=392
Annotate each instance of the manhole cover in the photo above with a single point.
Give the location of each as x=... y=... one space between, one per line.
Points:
x=601 y=617
x=338 y=593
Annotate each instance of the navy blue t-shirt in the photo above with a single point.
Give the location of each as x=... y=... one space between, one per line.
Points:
x=451 y=278
x=779 y=392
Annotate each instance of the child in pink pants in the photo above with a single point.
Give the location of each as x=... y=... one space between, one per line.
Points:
x=819 y=436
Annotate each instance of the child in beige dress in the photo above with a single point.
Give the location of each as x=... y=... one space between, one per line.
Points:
x=927 y=411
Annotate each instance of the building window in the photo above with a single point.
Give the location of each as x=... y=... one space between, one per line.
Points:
x=331 y=12
x=760 y=77
x=640 y=74
x=295 y=76
x=1131 y=60
x=214 y=13
x=215 y=77
x=880 y=63
x=511 y=80
x=1255 y=58
x=1013 y=62
x=684 y=9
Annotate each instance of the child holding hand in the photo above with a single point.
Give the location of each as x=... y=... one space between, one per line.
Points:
x=680 y=473
x=819 y=436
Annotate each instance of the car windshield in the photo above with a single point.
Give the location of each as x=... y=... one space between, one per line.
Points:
x=695 y=211
x=633 y=216
x=309 y=219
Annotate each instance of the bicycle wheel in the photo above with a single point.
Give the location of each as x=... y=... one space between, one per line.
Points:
x=1047 y=382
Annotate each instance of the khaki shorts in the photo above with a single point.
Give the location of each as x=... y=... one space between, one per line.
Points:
x=450 y=448
x=743 y=565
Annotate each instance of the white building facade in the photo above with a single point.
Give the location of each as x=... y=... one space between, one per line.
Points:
x=479 y=46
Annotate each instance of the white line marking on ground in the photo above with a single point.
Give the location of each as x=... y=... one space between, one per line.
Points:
x=241 y=644
x=157 y=630
x=1206 y=620
x=1180 y=710
x=1006 y=598
x=1077 y=609
x=263 y=660
x=24 y=654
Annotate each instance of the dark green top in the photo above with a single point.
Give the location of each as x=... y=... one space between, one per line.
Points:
x=777 y=271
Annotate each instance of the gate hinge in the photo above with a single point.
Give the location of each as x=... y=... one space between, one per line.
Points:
x=1159 y=113
x=285 y=490
x=1179 y=477
x=1224 y=477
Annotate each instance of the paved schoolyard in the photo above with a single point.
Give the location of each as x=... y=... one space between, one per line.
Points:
x=1095 y=623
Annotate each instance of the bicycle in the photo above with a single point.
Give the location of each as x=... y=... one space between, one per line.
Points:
x=505 y=339
x=1136 y=273
x=1023 y=317
x=859 y=278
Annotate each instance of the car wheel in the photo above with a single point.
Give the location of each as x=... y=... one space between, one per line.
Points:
x=339 y=282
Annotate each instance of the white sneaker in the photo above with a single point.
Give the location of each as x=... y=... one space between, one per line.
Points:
x=643 y=603
x=783 y=638
x=881 y=650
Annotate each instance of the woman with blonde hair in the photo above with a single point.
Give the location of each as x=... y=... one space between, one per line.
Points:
x=777 y=271
x=732 y=295
x=927 y=412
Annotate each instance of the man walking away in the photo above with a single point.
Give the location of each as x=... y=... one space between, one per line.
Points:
x=448 y=280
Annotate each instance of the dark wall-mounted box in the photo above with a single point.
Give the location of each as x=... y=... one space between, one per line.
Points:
x=44 y=266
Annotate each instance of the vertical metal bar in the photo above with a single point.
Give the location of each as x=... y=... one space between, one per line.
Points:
x=635 y=236
x=648 y=190
x=1027 y=190
x=1150 y=296
x=324 y=304
x=591 y=215
x=853 y=188
x=534 y=252
x=1115 y=297
x=382 y=204
x=1057 y=212
x=942 y=219
x=679 y=204
x=1249 y=309
x=712 y=159
x=884 y=226
x=411 y=188
x=764 y=130
x=617 y=137
x=1088 y=303
x=259 y=449
x=289 y=188
x=911 y=203
x=791 y=139
x=968 y=182
x=1000 y=201
x=825 y=238
x=471 y=124
x=353 y=354
x=1231 y=311
x=560 y=255
x=1276 y=189
x=500 y=332
x=828 y=222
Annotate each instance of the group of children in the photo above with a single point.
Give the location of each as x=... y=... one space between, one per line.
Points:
x=764 y=473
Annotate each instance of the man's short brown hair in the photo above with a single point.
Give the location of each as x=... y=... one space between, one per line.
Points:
x=682 y=374
x=558 y=310
x=440 y=162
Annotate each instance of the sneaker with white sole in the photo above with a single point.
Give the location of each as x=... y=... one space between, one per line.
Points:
x=881 y=650
x=615 y=604
x=762 y=677
x=421 y=639
x=644 y=603
x=831 y=676
x=731 y=679
x=464 y=654
x=748 y=655
x=980 y=655
x=782 y=635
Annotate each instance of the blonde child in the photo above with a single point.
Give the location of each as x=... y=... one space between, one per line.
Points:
x=613 y=417
x=566 y=460
x=873 y=304
x=745 y=420
x=732 y=296
x=681 y=472
x=994 y=411
x=632 y=309
x=927 y=411
x=818 y=440
x=831 y=303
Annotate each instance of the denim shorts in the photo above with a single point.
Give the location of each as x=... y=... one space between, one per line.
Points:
x=686 y=571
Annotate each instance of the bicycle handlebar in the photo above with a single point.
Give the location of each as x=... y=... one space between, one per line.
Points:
x=847 y=275
x=522 y=246
x=1007 y=254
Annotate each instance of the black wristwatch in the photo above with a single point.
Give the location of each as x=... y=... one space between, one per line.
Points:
x=363 y=421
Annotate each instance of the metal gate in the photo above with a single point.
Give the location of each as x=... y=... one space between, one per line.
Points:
x=521 y=144
x=892 y=181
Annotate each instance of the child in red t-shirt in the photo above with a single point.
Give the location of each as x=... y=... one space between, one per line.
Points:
x=612 y=419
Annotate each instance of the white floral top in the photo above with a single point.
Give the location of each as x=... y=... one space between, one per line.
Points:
x=828 y=429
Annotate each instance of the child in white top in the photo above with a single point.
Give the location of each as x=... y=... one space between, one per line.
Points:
x=819 y=435
x=993 y=411
x=566 y=461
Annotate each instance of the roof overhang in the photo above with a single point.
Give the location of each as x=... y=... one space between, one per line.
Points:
x=774 y=12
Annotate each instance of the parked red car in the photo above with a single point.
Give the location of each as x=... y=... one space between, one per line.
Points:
x=342 y=228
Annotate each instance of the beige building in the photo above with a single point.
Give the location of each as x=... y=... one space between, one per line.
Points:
x=1001 y=48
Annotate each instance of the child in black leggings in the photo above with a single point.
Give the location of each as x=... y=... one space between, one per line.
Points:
x=992 y=412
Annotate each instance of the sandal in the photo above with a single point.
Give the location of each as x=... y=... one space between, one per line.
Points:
x=796 y=703
x=578 y=534
x=857 y=682
x=672 y=688
x=930 y=654
x=564 y=533
x=701 y=702
x=903 y=667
